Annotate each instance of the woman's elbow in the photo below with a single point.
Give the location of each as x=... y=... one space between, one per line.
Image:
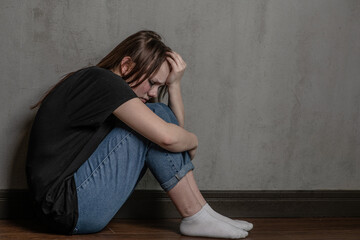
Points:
x=176 y=139
x=169 y=142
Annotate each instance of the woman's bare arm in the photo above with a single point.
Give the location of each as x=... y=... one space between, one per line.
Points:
x=174 y=86
x=173 y=81
x=169 y=136
x=176 y=103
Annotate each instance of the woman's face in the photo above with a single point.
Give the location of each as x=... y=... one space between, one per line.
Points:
x=149 y=87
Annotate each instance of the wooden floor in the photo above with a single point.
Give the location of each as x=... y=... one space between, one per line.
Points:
x=264 y=229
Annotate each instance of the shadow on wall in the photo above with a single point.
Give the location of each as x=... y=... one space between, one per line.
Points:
x=19 y=203
x=18 y=206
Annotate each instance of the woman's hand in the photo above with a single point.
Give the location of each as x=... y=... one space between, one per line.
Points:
x=192 y=153
x=177 y=68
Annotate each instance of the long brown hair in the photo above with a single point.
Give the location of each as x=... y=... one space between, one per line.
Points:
x=146 y=50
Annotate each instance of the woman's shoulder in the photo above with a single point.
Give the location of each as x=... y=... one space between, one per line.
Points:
x=91 y=74
x=96 y=78
x=99 y=71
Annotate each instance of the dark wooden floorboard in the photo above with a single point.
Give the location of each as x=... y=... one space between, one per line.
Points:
x=264 y=229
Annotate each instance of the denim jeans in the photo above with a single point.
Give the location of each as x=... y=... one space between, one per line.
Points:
x=106 y=180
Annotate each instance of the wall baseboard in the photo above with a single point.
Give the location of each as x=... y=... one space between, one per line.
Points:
x=156 y=204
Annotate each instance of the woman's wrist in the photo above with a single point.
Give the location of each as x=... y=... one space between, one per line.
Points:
x=192 y=141
x=176 y=103
x=174 y=86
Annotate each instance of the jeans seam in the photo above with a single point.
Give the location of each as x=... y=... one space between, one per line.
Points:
x=170 y=159
x=95 y=170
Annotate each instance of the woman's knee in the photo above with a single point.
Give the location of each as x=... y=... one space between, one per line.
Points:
x=163 y=111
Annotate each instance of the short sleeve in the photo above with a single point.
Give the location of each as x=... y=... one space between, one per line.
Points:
x=94 y=94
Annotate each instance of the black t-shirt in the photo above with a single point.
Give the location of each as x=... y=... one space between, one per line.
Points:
x=69 y=125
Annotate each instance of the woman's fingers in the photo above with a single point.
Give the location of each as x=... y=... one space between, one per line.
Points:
x=178 y=66
x=177 y=62
x=192 y=153
x=172 y=62
x=177 y=59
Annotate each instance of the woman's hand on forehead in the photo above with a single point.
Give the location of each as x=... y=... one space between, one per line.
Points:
x=178 y=66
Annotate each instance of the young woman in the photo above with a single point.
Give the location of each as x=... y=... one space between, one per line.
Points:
x=95 y=134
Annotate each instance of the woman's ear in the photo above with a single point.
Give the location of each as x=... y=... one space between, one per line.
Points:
x=126 y=66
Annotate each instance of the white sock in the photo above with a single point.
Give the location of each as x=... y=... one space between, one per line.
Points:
x=205 y=224
x=237 y=223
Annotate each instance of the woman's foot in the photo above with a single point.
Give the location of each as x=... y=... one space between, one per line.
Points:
x=237 y=223
x=207 y=224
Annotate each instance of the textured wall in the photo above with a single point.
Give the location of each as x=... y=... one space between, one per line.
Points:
x=272 y=88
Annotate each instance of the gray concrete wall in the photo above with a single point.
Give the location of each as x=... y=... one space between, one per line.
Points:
x=272 y=88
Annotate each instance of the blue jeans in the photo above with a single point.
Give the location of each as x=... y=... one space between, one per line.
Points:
x=106 y=180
